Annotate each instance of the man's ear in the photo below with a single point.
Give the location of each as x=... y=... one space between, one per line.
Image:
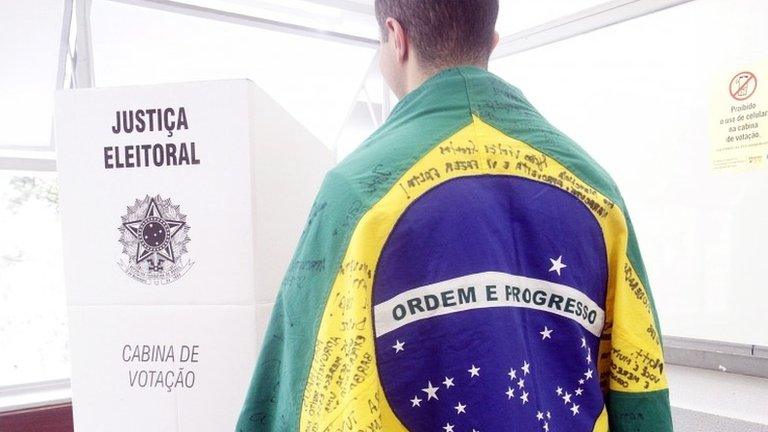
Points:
x=399 y=39
x=495 y=40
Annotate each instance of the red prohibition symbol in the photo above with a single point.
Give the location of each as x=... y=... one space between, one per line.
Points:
x=743 y=86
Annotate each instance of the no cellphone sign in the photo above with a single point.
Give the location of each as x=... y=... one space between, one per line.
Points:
x=739 y=119
x=743 y=86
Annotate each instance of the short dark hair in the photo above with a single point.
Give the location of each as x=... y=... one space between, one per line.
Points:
x=444 y=32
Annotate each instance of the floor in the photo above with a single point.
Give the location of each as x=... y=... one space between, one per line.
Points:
x=711 y=401
x=693 y=421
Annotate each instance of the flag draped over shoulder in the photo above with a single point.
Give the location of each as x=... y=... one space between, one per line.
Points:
x=469 y=267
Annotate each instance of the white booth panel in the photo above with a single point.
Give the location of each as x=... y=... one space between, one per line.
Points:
x=185 y=368
x=181 y=207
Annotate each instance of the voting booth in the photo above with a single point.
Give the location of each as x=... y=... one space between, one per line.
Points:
x=181 y=207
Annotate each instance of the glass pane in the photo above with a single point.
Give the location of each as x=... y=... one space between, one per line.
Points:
x=30 y=35
x=359 y=126
x=515 y=16
x=353 y=17
x=365 y=117
x=315 y=80
x=33 y=313
x=636 y=96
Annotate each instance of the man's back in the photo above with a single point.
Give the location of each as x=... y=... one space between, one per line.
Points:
x=467 y=268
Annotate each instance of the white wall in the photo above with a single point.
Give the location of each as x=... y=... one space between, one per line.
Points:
x=636 y=96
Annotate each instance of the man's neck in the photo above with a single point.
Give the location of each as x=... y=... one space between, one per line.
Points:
x=418 y=75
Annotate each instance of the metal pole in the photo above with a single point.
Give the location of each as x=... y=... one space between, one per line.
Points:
x=64 y=44
x=604 y=15
x=368 y=71
x=347 y=5
x=252 y=21
x=369 y=104
x=83 y=65
x=386 y=105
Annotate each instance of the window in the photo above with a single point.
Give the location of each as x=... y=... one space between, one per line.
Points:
x=33 y=321
x=29 y=71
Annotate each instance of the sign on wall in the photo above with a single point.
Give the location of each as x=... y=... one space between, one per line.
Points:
x=739 y=120
x=181 y=206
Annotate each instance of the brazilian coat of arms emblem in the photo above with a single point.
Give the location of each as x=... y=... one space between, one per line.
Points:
x=154 y=234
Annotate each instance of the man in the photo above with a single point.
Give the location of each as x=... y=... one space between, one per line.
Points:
x=468 y=268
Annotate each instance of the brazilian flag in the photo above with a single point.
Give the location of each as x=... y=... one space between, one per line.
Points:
x=467 y=268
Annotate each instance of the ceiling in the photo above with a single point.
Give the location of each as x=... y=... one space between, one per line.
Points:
x=356 y=17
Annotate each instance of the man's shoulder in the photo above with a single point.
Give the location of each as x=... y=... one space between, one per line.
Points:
x=505 y=108
x=418 y=128
x=375 y=165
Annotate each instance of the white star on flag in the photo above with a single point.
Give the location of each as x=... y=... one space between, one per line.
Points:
x=575 y=409
x=430 y=391
x=557 y=265
x=512 y=374
x=460 y=408
x=518 y=381
x=510 y=393
x=475 y=371
x=448 y=383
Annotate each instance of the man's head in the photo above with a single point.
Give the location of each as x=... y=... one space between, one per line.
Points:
x=421 y=37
